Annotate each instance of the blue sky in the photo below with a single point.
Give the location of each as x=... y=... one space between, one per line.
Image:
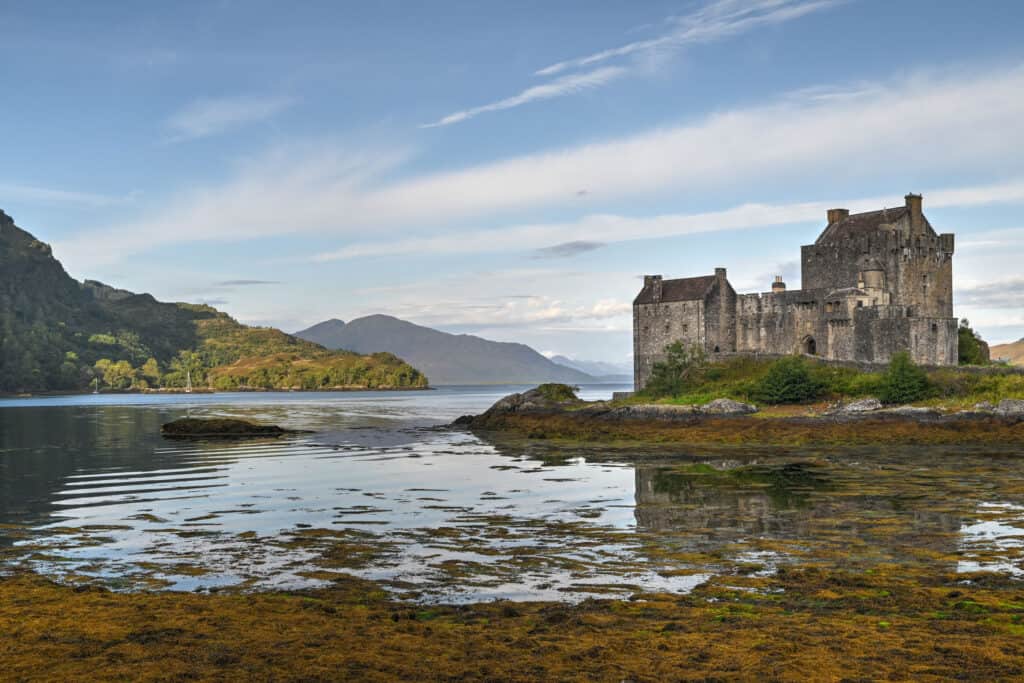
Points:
x=504 y=169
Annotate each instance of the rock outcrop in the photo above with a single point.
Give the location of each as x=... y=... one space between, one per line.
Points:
x=224 y=428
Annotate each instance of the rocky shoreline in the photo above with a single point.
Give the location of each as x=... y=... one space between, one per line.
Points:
x=534 y=414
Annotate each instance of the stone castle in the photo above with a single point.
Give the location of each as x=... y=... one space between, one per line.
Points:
x=874 y=284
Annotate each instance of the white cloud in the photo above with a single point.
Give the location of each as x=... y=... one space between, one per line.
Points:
x=327 y=189
x=616 y=228
x=210 y=116
x=714 y=21
x=567 y=85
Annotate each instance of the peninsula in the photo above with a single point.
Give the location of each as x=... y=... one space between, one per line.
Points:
x=61 y=335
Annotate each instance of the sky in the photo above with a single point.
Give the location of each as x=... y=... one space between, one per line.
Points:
x=510 y=170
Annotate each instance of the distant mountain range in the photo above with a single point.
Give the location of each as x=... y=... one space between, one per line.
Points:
x=1012 y=352
x=445 y=358
x=609 y=372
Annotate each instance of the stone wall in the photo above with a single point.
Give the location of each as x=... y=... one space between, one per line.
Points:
x=655 y=326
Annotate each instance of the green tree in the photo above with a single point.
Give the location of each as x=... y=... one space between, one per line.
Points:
x=682 y=369
x=150 y=371
x=116 y=375
x=903 y=382
x=788 y=380
x=973 y=350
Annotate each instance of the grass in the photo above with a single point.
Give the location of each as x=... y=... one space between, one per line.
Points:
x=738 y=379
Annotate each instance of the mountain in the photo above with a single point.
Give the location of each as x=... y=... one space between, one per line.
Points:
x=444 y=358
x=1012 y=352
x=60 y=334
x=611 y=372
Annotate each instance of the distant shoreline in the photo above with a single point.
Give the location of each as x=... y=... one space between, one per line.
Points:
x=204 y=390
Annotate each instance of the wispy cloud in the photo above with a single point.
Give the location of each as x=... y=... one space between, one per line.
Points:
x=211 y=116
x=714 y=21
x=567 y=85
x=567 y=249
x=329 y=189
x=30 y=193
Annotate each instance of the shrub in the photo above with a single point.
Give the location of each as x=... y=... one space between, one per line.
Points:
x=560 y=393
x=788 y=380
x=682 y=370
x=903 y=382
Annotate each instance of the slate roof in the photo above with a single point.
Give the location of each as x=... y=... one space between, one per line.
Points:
x=858 y=223
x=683 y=289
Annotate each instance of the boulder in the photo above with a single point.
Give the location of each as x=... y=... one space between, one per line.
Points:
x=1011 y=407
x=913 y=411
x=984 y=407
x=864 y=405
x=727 y=406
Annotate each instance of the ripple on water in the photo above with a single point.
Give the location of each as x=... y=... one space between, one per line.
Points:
x=449 y=517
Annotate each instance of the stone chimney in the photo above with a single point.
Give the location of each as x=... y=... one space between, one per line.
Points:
x=916 y=215
x=654 y=283
x=720 y=273
x=778 y=286
x=836 y=215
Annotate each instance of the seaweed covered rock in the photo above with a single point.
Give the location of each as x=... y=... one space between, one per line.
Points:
x=544 y=397
x=228 y=428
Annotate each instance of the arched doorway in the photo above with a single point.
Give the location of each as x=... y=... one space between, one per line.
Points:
x=810 y=347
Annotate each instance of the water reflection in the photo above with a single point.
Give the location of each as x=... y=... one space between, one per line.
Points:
x=92 y=492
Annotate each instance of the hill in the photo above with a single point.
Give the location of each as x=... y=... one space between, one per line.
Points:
x=1012 y=352
x=608 y=372
x=444 y=358
x=57 y=334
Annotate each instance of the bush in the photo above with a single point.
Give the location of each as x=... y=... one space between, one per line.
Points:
x=682 y=370
x=788 y=381
x=903 y=382
x=560 y=393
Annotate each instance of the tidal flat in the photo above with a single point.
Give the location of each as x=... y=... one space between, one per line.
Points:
x=384 y=546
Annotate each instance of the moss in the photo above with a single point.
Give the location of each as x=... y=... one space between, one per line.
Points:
x=776 y=628
x=772 y=431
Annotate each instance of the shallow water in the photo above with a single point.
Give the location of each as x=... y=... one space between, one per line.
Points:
x=90 y=491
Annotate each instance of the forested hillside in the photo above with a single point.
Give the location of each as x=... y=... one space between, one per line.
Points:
x=59 y=334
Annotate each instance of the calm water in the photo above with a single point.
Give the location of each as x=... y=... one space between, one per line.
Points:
x=90 y=491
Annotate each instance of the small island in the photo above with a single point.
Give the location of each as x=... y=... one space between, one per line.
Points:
x=789 y=401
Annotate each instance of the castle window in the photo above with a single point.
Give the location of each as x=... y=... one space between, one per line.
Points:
x=828 y=307
x=935 y=328
x=860 y=304
x=686 y=328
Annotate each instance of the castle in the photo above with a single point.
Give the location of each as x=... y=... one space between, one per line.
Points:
x=874 y=284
